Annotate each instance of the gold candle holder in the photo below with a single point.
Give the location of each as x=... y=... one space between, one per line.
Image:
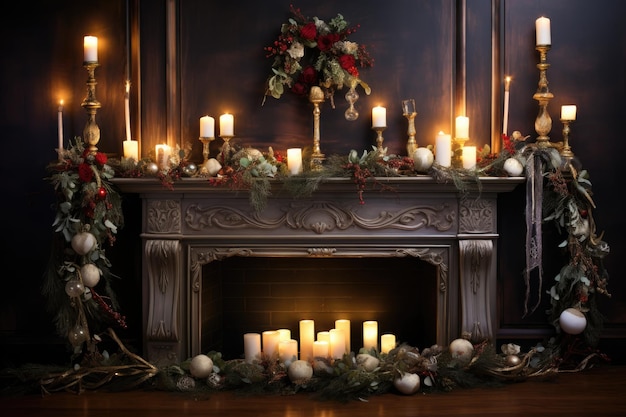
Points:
x=566 y=150
x=226 y=149
x=379 y=138
x=205 y=153
x=543 y=122
x=316 y=96
x=408 y=111
x=91 y=132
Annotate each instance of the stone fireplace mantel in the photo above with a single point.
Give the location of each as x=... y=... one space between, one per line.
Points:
x=196 y=223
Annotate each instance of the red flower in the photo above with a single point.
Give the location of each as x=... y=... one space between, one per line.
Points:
x=85 y=173
x=324 y=43
x=347 y=61
x=308 y=75
x=101 y=158
x=308 y=31
x=300 y=88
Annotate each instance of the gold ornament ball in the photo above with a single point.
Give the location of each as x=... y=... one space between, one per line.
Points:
x=201 y=366
x=512 y=360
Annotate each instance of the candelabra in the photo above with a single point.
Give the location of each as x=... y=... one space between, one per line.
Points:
x=316 y=96
x=379 y=138
x=408 y=111
x=91 y=132
x=205 y=153
x=543 y=122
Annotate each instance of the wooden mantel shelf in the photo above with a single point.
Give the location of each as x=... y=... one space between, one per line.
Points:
x=196 y=223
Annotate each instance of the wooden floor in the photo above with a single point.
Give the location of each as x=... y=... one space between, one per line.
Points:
x=595 y=392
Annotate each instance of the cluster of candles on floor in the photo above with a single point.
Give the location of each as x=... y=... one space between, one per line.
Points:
x=331 y=344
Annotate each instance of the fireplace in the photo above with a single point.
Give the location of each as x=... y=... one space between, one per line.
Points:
x=439 y=242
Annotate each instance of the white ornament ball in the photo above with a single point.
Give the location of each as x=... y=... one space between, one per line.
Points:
x=407 y=383
x=462 y=350
x=367 y=361
x=212 y=166
x=423 y=159
x=90 y=274
x=300 y=371
x=572 y=321
x=83 y=243
x=201 y=366
x=513 y=167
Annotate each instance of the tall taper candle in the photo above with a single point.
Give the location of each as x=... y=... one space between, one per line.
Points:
x=127 y=109
x=505 y=113
x=60 y=148
x=307 y=336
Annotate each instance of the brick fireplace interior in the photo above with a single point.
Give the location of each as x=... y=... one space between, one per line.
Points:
x=242 y=295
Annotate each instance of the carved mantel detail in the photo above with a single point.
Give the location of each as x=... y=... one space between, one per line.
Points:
x=196 y=224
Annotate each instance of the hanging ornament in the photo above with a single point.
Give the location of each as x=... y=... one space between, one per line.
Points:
x=77 y=335
x=352 y=96
x=83 y=243
x=90 y=274
x=102 y=193
x=74 y=288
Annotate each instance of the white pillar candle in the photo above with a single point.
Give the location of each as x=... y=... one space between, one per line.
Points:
x=344 y=325
x=307 y=336
x=469 y=157
x=542 y=27
x=207 y=127
x=323 y=336
x=443 y=149
x=505 y=113
x=379 y=117
x=270 y=342
x=251 y=346
x=320 y=348
x=288 y=351
x=127 y=109
x=162 y=153
x=387 y=342
x=90 y=44
x=60 y=117
x=285 y=334
x=131 y=149
x=462 y=127
x=337 y=345
x=370 y=334
x=227 y=122
x=568 y=112
x=294 y=161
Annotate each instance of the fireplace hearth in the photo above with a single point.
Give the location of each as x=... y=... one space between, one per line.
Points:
x=192 y=234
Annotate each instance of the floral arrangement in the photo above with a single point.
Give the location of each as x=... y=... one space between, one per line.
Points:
x=311 y=51
x=88 y=214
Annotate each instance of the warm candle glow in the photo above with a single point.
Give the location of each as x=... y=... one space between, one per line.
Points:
x=127 y=109
x=344 y=324
x=163 y=153
x=320 y=348
x=469 y=157
x=323 y=336
x=288 y=350
x=131 y=149
x=307 y=336
x=542 y=27
x=207 y=127
x=251 y=346
x=505 y=113
x=370 y=334
x=568 y=112
x=379 y=117
x=337 y=343
x=60 y=117
x=443 y=149
x=270 y=342
x=285 y=334
x=462 y=127
x=90 y=44
x=294 y=161
x=387 y=342
x=227 y=122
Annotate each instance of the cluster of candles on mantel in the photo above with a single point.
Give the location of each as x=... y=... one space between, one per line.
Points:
x=331 y=344
x=443 y=141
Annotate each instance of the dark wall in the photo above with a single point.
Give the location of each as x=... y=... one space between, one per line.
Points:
x=221 y=67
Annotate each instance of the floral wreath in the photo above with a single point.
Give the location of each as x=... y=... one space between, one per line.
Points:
x=310 y=52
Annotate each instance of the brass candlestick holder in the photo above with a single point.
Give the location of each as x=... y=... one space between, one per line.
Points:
x=543 y=122
x=566 y=150
x=408 y=111
x=91 y=132
x=205 y=153
x=316 y=96
x=457 y=152
x=379 y=138
x=226 y=149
